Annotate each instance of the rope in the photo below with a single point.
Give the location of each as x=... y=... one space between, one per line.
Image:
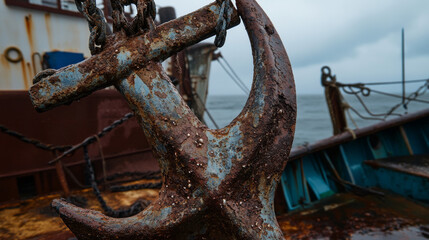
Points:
x=351 y=118
x=352 y=133
x=359 y=88
x=74 y=178
x=223 y=21
x=374 y=114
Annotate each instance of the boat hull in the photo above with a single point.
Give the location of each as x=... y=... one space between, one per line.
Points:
x=24 y=168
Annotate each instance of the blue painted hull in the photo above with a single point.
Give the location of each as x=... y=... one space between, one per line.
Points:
x=367 y=158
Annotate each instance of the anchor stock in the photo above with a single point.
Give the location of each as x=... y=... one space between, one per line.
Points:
x=122 y=55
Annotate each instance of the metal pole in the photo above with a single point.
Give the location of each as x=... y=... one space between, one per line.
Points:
x=403 y=69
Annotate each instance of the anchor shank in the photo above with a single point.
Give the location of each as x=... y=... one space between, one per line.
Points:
x=120 y=59
x=162 y=113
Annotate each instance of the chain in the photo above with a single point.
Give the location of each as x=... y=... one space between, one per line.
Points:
x=119 y=19
x=92 y=139
x=223 y=21
x=96 y=22
x=146 y=13
x=135 y=208
x=36 y=143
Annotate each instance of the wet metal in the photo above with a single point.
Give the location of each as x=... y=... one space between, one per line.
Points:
x=217 y=184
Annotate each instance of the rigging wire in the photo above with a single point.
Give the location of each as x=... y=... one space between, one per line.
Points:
x=237 y=81
x=356 y=89
x=234 y=73
x=206 y=110
x=394 y=82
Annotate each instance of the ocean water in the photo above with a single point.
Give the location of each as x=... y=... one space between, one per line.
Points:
x=313 y=121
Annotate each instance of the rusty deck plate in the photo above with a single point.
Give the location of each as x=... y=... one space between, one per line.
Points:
x=343 y=216
x=35 y=219
x=348 y=216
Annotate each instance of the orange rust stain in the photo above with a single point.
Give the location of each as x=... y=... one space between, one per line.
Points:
x=30 y=30
x=24 y=74
x=4 y=62
x=30 y=70
x=5 y=70
x=49 y=29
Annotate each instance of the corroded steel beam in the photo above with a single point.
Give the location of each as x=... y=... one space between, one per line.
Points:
x=217 y=184
x=123 y=55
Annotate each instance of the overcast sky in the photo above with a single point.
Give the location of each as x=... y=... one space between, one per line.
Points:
x=359 y=40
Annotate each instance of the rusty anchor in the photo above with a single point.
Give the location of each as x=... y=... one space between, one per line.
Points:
x=217 y=184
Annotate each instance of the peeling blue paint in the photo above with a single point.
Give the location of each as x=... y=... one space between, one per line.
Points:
x=267 y=212
x=124 y=59
x=215 y=9
x=152 y=217
x=225 y=150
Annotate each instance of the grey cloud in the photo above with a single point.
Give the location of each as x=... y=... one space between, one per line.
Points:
x=348 y=35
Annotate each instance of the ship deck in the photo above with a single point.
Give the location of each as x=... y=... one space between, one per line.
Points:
x=349 y=216
x=341 y=216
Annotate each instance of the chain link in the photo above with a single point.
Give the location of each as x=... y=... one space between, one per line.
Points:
x=223 y=21
x=96 y=22
x=119 y=19
x=135 y=208
x=36 y=143
x=92 y=139
x=146 y=13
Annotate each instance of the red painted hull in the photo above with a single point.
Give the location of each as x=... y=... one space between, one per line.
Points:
x=24 y=167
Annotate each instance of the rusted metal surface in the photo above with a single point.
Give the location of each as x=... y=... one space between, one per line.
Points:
x=121 y=56
x=217 y=184
x=343 y=216
x=334 y=101
x=34 y=219
x=299 y=152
